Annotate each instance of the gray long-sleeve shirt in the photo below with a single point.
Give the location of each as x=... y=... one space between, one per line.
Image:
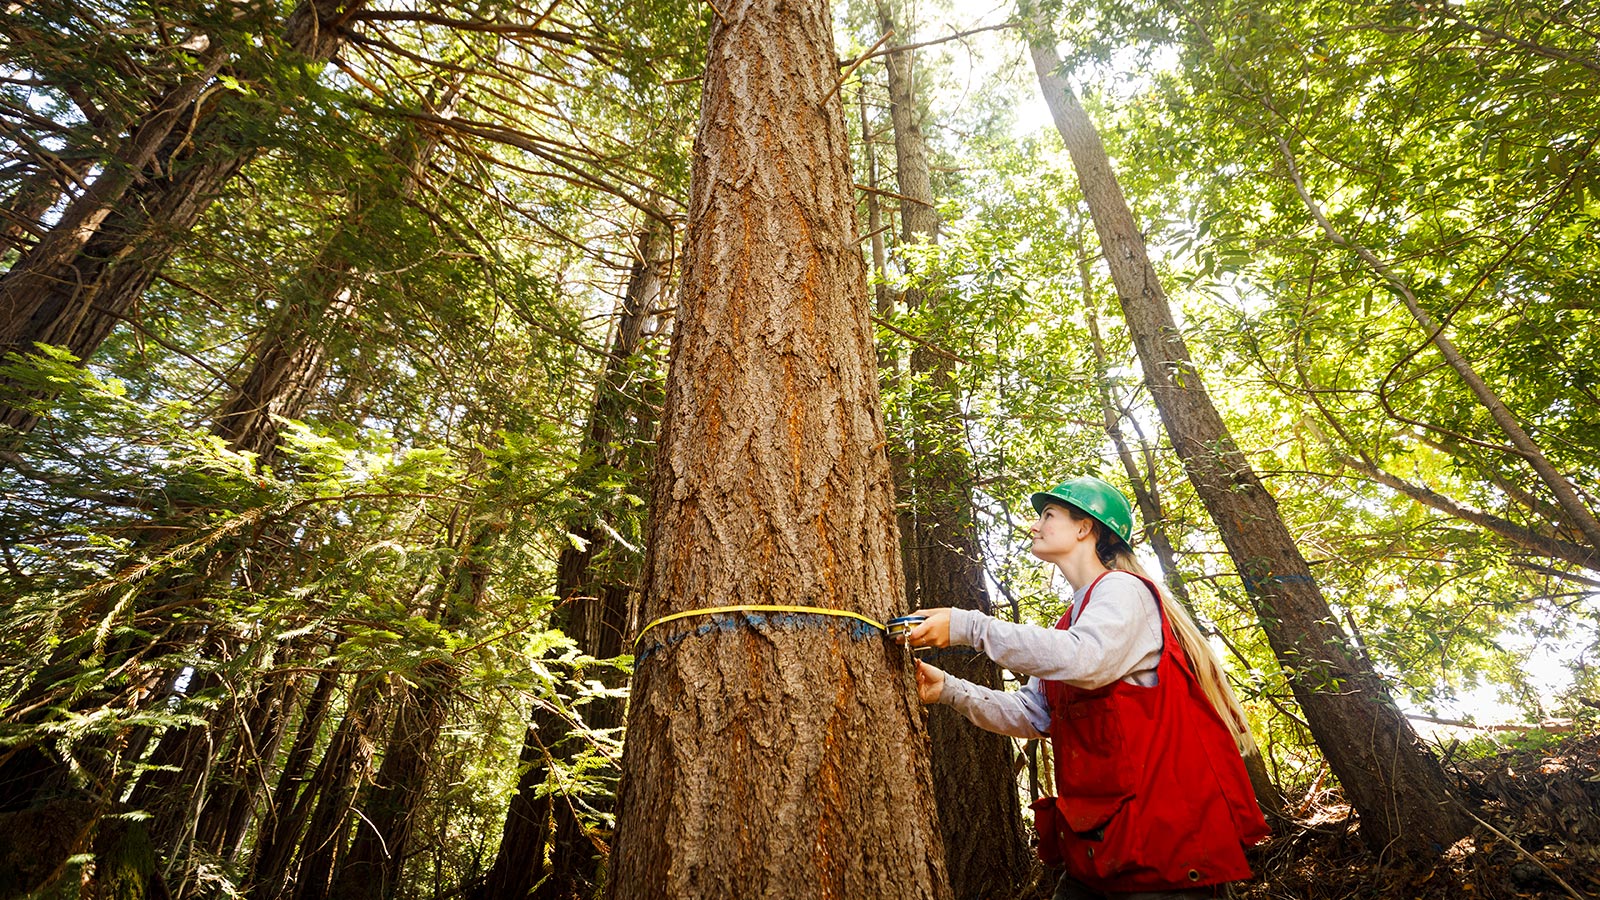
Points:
x=1118 y=636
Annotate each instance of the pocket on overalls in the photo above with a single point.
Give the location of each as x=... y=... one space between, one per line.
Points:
x=1047 y=825
x=1095 y=777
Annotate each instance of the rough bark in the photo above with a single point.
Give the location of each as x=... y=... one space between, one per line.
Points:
x=84 y=276
x=773 y=756
x=986 y=852
x=49 y=269
x=1390 y=778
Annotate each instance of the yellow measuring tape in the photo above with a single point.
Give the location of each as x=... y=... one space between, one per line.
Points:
x=812 y=610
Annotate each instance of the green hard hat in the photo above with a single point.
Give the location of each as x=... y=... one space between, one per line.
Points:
x=1095 y=497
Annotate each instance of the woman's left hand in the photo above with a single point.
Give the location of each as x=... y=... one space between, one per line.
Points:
x=935 y=632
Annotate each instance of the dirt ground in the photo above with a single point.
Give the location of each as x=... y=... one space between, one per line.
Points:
x=1538 y=802
x=1539 y=805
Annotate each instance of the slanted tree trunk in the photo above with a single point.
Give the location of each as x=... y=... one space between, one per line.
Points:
x=371 y=868
x=293 y=795
x=1390 y=778
x=1147 y=496
x=347 y=763
x=291 y=362
x=84 y=276
x=225 y=817
x=520 y=860
x=286 y=373
x=773 y=756
x=986 y=852
x=1572 y=505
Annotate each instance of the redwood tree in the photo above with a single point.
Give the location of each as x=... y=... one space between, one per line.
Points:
x=985 y=851
x=86 y=274
x=1390 y=778
x=776 y=755
x=593 y=585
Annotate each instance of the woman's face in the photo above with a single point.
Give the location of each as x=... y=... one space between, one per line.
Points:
x=1055 y=533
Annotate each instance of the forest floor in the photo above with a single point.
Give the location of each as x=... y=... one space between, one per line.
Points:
x=1538 y=801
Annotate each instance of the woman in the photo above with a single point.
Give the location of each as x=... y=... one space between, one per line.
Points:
x=1148 y=737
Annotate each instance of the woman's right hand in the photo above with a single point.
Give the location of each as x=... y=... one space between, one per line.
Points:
x=930 y=683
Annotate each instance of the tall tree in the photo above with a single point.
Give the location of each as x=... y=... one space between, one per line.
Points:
x=1391 y=779
x=1147 y=496
x=83 y=277
x=985 y=851
x=592 y=583
x=775 y=756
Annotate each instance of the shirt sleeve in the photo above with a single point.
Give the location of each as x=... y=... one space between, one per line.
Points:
x=1116 y=636
x=1022 y=713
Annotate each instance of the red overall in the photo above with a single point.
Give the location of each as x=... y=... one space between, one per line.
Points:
x=1154 y=794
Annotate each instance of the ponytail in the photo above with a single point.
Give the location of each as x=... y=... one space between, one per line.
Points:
x=1115 y=554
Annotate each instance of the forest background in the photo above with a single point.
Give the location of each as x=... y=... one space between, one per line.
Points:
x=337 y=337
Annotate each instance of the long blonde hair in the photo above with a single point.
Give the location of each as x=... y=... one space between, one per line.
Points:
x=1115 y=554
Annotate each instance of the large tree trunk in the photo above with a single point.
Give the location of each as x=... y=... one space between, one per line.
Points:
x=986 y=852
x=773 y=756
x=1390 y=778
x=83 y=277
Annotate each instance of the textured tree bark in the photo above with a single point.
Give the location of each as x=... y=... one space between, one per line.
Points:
x=1390 y=778
x=773 y=756
x=83 y=277
x=986 y=853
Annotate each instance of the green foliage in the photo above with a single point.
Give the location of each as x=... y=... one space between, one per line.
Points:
x=450 y=212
